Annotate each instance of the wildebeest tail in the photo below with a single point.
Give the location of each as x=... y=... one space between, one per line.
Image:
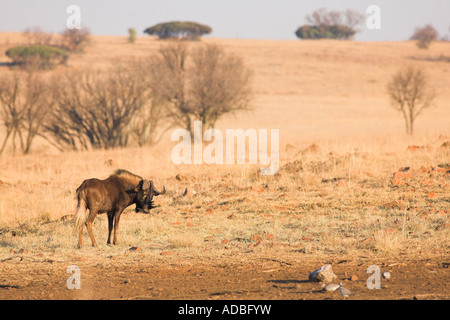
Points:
x=80 y=214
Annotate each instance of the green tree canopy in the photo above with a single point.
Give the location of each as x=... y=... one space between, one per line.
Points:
x=340 y=32
x=42 y=57
x=178 y=29
x=324 y=24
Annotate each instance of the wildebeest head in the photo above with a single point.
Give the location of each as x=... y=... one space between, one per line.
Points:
x=145 y=191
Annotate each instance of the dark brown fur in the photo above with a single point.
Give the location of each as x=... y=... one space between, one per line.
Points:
x=111 y=195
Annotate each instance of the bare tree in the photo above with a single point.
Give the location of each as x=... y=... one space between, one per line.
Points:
x=151 y=122
x=424 y=36
x=220 y=84
x=319 y=17
x=11 y=111
x=167 y=74
x=36 y=36
x=95 y=110
x=323 y=17
x=334 y=17
x=152 y=119
x=25 y=101
x=203 y=83
x=75 y=40
x=410 y=94
x=353 y=18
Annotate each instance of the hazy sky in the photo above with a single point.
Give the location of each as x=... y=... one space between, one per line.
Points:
x=251 y=19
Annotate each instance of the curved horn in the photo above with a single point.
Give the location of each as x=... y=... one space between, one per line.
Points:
x=157 y=193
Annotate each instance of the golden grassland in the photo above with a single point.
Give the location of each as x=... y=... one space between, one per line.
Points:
x=336 y=200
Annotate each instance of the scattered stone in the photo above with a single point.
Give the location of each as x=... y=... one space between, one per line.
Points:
x=256 y=237
x=399 y=177
x=431 y=195
x=386 y=275
x=416 y=148
x=20 y=251
x=354 y=277
x=166 y=253
x=323 y=274
x=257 y=189
x=80 y=258
x=135 y=249
x=329 y=287
x=341 y=184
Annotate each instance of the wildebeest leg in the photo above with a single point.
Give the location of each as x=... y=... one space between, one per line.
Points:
x=116 y=224
x=79 y=237
x=110 y=225
x=89 y=221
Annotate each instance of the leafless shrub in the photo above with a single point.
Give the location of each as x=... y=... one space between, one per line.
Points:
x=410 y=94
x=150 y=122
x=167 y=76
x=96 y=110
x=323 y=17
x=25 y=101
x=220 y=83
x=353 y=18
x=75 y=40
x=136 y=101
x=424 y=36
x=36 y=36
x=199 y=84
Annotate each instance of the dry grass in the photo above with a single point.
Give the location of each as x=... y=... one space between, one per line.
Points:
x=295 y=212
x=331 y=93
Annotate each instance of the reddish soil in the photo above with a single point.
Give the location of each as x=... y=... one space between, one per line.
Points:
x=260 y=278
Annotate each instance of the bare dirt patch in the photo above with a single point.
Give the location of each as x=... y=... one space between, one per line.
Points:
x=255 y=277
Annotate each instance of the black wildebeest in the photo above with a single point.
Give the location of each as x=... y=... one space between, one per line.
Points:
x=112 y=196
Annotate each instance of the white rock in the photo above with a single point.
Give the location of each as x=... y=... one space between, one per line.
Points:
x=324 y=274
x=330 y=287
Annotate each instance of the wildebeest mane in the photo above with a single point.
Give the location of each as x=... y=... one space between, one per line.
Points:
x=127 y=176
